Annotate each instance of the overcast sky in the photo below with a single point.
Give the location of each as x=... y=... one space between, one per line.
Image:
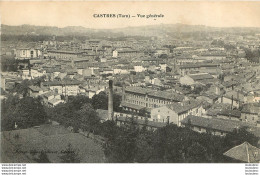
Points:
x=62 y=14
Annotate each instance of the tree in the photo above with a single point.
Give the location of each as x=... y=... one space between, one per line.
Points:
x=143 y=112
x=144 y=147
x=25 y=112
x=239 y=136
x=70 y=155
x=29 y=112
x=100 y=101
x=8 y=63
x=87 y=117
x=252 y=55
x=22 y=88
x=196 y=153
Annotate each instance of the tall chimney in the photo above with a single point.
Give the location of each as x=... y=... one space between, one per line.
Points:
x=238 y=101
x=123 y=91
x=110 y=101
x=232 y=101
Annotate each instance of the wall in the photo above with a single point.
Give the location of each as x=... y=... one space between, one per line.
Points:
x=251 y=118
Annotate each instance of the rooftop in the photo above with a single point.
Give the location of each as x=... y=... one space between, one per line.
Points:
x=213 y=123
x=245 y=153
x=182 y=108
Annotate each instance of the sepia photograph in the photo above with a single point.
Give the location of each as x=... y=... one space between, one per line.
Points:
x=130 y=82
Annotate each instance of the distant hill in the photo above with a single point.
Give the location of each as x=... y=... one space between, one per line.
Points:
x=42 y=30
x=149 y=30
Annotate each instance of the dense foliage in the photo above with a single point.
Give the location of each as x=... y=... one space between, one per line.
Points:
x=25 y=112
x=253 y=55
x=8 y=64
x=100 y=101
x=128 y=143
x=171 y=144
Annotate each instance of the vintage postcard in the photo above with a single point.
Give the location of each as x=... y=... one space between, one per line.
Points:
x=130 y=82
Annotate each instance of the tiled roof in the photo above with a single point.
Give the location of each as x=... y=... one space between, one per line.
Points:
x=201 y=76
x=213 y=123
x=198 y=65
x=157 y=94
x=245 y=153
x=48 y=94
x=35 y=88
x=182 y=108
x=143 y=122
x=251 y=108
x=132 y=106
x=60 y=83
x=54 y=101
x=231 y=113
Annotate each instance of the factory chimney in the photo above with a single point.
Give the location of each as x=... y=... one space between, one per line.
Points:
x=110 y=101
x=123 y=91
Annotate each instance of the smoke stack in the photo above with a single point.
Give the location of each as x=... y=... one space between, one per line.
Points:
x=238 y=99
x=232 y=101
x=123 y=91
x=110 y=100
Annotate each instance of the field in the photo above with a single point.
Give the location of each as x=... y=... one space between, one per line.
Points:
x=24 y=145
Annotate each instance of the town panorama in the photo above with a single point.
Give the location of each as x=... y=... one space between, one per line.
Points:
x=151 y=94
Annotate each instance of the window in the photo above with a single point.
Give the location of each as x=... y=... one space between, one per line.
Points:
x=253 y=118
x=245 y=117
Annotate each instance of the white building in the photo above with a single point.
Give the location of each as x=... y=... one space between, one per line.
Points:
x=28 y=53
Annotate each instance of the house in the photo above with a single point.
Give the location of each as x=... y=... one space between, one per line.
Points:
x=234 y=98
x=195 y=67
x=150 y=125
x=54 y=102
x=215 y=126
x=47 y=96
x=64 y=87
x=176 y=112
x=193 y=79
x=125 y=52
x=162 y=51
x=36 y=73
x=139 y=68
x=251 y=113
x=210 y=98
x=28 y=53
x=26 y=74
x=64 y=54
x=229 y=114
x=122 y=119
x=34 y=91
x=90 y=91
x=149 y=98
x=51 y=99
x=120 y=70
